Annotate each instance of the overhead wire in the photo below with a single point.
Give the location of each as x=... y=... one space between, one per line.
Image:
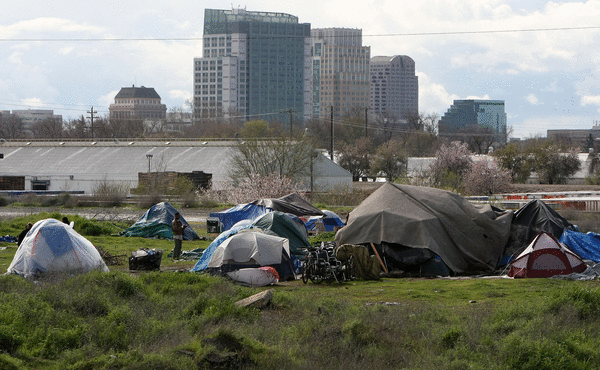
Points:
x=122 y=39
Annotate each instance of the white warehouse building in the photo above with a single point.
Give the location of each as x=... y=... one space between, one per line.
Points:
x=80 y=166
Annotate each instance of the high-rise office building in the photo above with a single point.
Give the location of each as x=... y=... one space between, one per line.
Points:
x=254 y=65
x=340 y=77
x=394 y=88
x=464 y=116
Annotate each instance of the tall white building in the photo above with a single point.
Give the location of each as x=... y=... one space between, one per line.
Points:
x=254 y=65
x=394 y=87
x=340 y=77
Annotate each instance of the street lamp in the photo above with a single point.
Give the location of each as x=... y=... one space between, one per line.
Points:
x=149 y=156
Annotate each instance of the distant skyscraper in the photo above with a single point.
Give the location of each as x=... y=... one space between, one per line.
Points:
x=394 y=87
x=138 y=103
x=254 y=64
x=340 y=75
x=465 y=115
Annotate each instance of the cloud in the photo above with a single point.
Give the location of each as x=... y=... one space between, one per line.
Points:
x=590 y=100
x=433 y=97
x=33 y=102
x=43 y=25
x=532 y=99
x=108 y=99
x=474 y=97
x=181 y=94
x=66 y=50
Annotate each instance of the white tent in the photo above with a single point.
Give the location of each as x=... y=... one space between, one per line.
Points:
x=51 y=246
x=250 y=248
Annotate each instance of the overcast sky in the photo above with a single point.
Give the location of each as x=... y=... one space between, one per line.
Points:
x=542 y=58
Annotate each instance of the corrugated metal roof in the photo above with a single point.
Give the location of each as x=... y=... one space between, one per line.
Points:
x=122 y=160
x=113 y=162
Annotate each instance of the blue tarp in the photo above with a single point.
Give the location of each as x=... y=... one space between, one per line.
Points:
x=156 y=223
x=330 y=221
x=281 y=224
x=586 y=246
x=231 y=216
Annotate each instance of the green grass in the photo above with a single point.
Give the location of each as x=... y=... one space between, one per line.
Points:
x=179 y=320
x=105 y=235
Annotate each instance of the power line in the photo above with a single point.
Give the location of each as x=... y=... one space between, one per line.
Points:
x=123 y=39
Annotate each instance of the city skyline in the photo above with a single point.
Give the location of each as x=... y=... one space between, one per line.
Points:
x=538 y=57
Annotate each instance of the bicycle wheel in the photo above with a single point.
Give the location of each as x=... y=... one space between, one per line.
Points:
x=305 y=272
x=315 y=277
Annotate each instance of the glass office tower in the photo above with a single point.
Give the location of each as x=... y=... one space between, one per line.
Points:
x=255 y=65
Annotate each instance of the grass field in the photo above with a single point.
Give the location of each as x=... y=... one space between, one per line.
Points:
x=174 y=319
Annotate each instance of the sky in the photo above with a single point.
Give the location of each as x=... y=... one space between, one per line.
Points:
x=541 y=57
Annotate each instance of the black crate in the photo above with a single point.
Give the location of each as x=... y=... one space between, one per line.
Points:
x=145 y=259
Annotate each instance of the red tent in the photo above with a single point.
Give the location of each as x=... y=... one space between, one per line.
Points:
x=545 y=257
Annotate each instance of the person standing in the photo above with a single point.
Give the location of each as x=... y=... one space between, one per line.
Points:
x=24 y=233
x=178 y=228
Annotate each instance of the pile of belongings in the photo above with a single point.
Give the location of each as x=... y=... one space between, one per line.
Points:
x=156 y=223
x=52 y=247
x=145 y=259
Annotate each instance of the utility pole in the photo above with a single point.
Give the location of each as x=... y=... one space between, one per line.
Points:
x=366 y=122
x=92 y=112
x=331 y=150
x=291 y=131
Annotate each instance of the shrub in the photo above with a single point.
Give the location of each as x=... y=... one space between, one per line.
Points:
x=110 y=193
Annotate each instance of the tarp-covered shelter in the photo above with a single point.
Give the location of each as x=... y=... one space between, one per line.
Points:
x=585 y=245
x=291 y=203
x=545 y=257
x=202 y=263
x=253 y=249
x=536 y=216
x=233 y=215
x=467 y=237
x=156 y=223
x=531 y=219
x=52 y=246
x=287 y=226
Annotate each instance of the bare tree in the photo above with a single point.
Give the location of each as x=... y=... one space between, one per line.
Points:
x=355 y=157
x=49 y=128
x=11 y=126
x=282 y=158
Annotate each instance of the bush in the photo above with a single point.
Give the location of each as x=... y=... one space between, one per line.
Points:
x=110 y=193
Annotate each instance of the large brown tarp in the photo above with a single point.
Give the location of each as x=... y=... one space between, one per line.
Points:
x=291 y=203
x=467 y=237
